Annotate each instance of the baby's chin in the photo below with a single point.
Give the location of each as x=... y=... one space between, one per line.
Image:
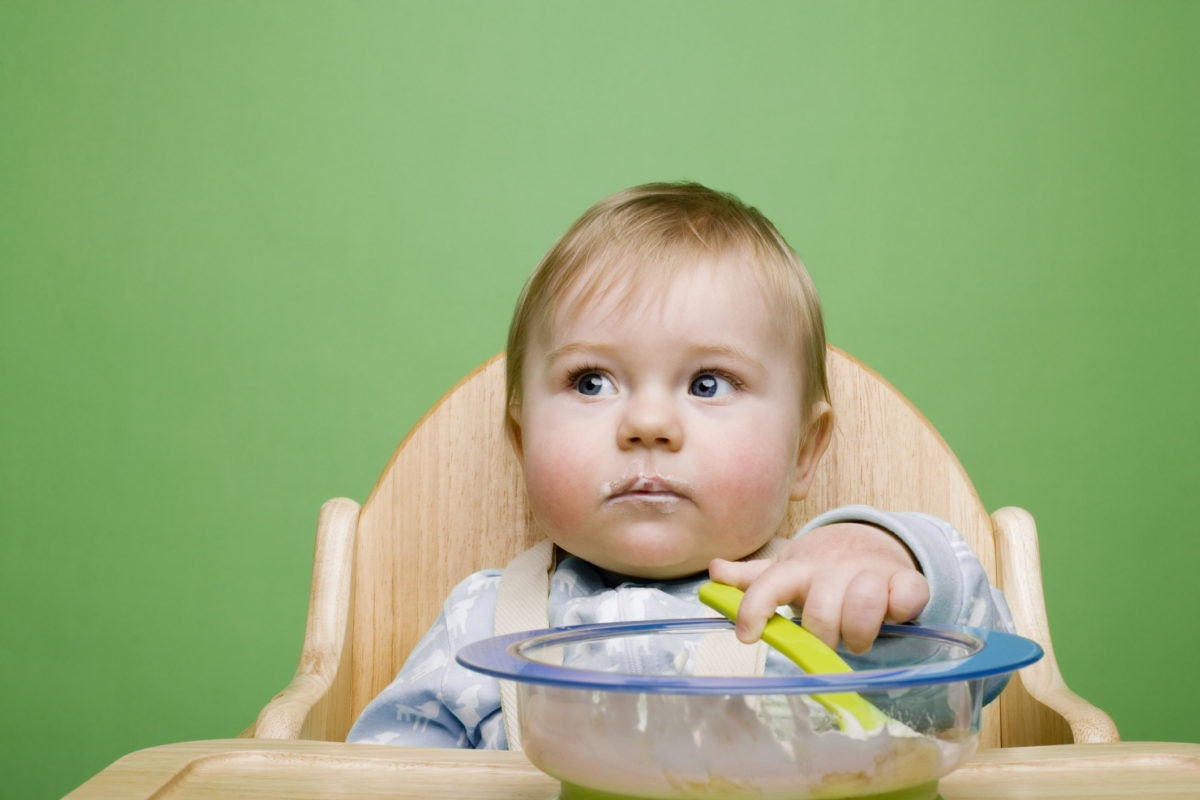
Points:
x=654 y=550
x=648 y=568
x=644 y=573
x=642 y=566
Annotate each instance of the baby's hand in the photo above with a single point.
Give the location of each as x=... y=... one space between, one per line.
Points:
x=848 y=578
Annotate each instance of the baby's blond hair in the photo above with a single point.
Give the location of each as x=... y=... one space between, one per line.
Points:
x=652 y=233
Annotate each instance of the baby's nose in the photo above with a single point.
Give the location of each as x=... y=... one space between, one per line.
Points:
x=650 y=422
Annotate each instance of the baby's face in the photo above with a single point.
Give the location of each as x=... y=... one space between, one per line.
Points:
x=656 y=436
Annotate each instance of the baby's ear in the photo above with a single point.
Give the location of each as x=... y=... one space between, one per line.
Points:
x=812 y=446
x=512 y=425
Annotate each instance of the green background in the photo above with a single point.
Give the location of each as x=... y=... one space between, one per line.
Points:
x=245 y=245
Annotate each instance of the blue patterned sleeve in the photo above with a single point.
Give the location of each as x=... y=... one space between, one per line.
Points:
x=434 y=702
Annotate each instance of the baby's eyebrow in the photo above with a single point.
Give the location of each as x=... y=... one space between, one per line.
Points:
x=577 y=348
x=726 y=351
x=696 y=351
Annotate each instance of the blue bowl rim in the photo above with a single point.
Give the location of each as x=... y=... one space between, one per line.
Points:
x=991 y=653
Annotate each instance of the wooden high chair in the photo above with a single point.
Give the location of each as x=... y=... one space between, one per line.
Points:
x=450 y=502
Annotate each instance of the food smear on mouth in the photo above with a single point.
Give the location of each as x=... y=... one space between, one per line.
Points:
x=650 y=491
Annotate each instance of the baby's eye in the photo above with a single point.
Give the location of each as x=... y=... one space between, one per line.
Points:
x=593 y=384
x=709 y=384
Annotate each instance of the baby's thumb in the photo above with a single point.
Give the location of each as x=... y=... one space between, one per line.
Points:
x=736 y=573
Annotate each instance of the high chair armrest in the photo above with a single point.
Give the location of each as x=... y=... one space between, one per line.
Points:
x=328 y=619
x=1020 y=576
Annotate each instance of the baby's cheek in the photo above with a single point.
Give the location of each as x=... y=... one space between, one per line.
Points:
x=755 y=485
x=558 y=488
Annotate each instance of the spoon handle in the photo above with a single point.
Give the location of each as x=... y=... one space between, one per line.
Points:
x=806 y=650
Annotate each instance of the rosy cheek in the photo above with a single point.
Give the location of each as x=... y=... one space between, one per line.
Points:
x=752 y=482
x=558 y=486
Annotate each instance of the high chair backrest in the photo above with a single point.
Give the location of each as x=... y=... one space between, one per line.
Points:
x=451 y=502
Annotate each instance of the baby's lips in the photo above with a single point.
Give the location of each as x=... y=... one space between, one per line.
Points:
x=643 y=484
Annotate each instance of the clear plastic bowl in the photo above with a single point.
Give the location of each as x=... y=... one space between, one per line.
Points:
x=616 y=711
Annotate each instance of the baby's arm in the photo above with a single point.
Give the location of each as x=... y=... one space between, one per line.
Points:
x=857 y=567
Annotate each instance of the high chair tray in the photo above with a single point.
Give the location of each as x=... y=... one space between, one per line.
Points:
x=304 y=770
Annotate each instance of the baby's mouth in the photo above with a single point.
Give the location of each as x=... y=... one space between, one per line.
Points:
x=647 y=489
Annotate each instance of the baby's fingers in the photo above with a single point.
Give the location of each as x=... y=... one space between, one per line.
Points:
x=908 y=594
x=863 y=608
x=777 y=584
x=823 y=608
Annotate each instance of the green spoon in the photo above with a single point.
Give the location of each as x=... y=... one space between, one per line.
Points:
x=807 y=651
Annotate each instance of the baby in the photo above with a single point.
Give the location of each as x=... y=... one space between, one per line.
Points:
x=667 y=399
